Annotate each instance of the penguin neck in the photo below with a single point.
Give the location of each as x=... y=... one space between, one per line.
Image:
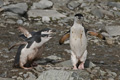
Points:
x=76 y=23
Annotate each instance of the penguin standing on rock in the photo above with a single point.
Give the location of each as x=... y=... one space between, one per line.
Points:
x=78 y=43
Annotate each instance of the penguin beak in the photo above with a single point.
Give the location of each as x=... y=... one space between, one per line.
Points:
x=53 y=31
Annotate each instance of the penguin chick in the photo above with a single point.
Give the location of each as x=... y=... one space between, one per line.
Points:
x=31 y=51
x=78 y=43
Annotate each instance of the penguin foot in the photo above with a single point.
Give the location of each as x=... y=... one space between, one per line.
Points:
x=34 y=64
x=81 y=66
x=22 y=66
x=75 y=68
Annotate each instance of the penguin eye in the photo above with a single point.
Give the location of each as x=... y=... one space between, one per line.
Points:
x=80 y=17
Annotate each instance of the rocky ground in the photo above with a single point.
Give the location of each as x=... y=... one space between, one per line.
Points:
x=99 y=16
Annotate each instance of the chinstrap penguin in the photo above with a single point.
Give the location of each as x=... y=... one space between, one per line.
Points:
x=31 y=49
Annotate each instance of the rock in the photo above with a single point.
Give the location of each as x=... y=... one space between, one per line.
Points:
x=43 y=4
x=40 y=13
x=19 y=8
x=21 y=73
x=39 y=68
x=26 y=24
x=3 y=74
x=83 y=5
x=1 y=3
x=108 y=13
x=14 y=77
x=73 y=4
x=45 y=19
x=117 y=13
x=11 y=15
x=5 y=56
x=68 y=51
x=111 y=79
x=19 y=78
x=11 y=33
x=31 y=76
x=25 y=75
x=113 y=30
x=111 y=74
x=97 y=13
x=59 y=3
x=88 y=64
x=6 y=78
x=20 y=21
x=119 y=77
x=114 y=4
x=10 y=21
x=53 y=57
x=91 y=64
x=110 y=40
x=89 y=0
x=67 y=63
x=64 y=75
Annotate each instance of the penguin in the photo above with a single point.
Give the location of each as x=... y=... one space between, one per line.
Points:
x=78 y=43
x=30 y=50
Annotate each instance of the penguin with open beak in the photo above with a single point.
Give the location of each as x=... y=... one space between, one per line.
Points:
x=31 y=49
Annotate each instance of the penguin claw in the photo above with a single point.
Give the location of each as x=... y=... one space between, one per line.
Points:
x=75 y=68
x=81 y=66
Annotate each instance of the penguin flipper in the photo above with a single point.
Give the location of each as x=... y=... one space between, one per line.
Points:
x=65 y=37
x=99 y=35
x=25 y=32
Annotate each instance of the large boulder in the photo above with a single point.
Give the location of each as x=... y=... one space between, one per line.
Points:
x=43 y=4
x=64 y=75
x=41 y=13
x=19 y=8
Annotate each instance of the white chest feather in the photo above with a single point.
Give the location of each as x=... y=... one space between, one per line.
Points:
x=30 y=53
x=78 y=40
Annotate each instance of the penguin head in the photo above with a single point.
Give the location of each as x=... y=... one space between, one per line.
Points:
x=78 y=18
x=45 y=37
x=47 y=31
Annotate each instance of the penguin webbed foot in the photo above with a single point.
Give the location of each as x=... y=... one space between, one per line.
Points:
x=81 y=66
